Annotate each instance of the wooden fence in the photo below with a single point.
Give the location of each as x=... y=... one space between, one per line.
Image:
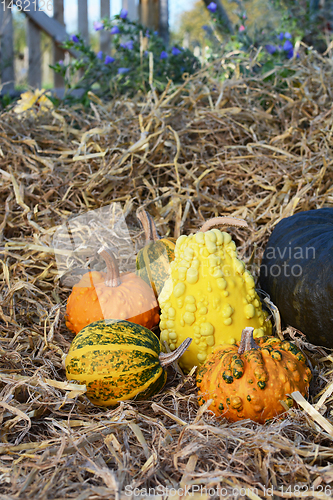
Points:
x=152 y=13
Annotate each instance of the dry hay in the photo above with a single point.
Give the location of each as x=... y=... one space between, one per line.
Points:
x=247 y=147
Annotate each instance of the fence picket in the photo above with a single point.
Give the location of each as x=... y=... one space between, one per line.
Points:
x=105 y=37
x=163 y=19
x=152 y=13
x=58 y=53
x=83 y=19
x=149 y=12
x=35 y=55
x=131 y=7
x=6 y=48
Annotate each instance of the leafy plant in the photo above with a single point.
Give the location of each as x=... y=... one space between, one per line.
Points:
x=5 y=100
x=252 y=51
x=138 y=59
x=311 y=20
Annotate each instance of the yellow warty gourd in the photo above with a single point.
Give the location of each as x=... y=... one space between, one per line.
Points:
x=210 y=296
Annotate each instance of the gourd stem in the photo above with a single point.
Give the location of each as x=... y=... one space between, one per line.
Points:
x=112 y=270
x=166 y=358
x=223 y=221
x=247 y=341
x=148 y=225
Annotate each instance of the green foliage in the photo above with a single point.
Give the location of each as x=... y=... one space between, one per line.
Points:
x=251 y=50
x=198 y=25
x=137 y=55
x=5 y=100
x=266 y=34
x=310 y=20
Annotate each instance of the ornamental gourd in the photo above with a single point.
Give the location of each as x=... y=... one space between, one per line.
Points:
x=210 y=296
x=153 y=261
x=118 y=361
x=110 y=295
x=297 y=273
x=250 y=379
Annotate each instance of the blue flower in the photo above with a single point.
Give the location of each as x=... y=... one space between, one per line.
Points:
x=163 y=55
x=147 y=35
x=123 y=13
x=290 y=54
x=128 y=45
x=284 y=36
x=98 y=25
x=271 y=49
x=115 y=30
x=109 y=59
x=287 y=46
x=212 y=7
x=175 y=51
x=121 y=71
x=100 y=55
x=75 y=39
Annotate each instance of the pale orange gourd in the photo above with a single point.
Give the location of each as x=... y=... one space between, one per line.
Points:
x=110 y=295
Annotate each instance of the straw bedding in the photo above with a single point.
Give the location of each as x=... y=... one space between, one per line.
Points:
x=250 y=147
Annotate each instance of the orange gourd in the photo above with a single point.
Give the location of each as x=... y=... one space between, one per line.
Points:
x=250 y=379
x=109 y=295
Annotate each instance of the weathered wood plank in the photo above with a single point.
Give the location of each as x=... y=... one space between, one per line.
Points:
x=143 y=12
x=163 y=29
x=50 y=25
x=58 y=53
x=105 y=37
x=83 y=19
x=6 y=49
x=132 y=8
x=35 y=55
x=149 y=12
x=155 y=15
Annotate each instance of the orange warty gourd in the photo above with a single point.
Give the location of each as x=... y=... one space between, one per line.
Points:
x=110 y=295
x=248 y=380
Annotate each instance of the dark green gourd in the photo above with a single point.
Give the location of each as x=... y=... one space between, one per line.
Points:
x=297 y=272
